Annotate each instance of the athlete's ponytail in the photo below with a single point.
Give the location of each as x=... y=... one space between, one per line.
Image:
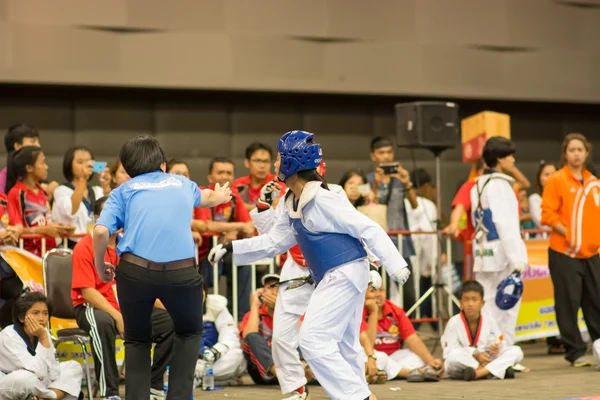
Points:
x=310 y=175
x=18 y=162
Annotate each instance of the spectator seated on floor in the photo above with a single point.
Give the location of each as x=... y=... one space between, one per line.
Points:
x=467 y=354
x=257 y=331
x=221 y=345
x=398 y=349
x=98 y=313
x=28 y=359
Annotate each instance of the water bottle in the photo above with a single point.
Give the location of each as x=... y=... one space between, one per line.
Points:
x=208 y=381
x=490 y=341
x=166 y=380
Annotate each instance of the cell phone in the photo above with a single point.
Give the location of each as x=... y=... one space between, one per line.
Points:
x=364 y=188
x=389 y=169
x=99 y=166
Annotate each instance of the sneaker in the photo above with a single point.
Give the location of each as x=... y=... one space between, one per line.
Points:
x=582 y=361
x=415 y=376
x=157 y=394
x=299 y=396
x=510 y=373
x=467 y=374
x=431 y=375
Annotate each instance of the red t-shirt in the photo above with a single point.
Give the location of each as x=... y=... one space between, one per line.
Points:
x=30 y=209
x=221 y=213
x=250 y=194
x=392 y=329
x=3 y=211
x=265 y=324
x=86 y=276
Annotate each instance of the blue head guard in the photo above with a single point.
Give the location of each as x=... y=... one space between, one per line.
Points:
x=507 y=298
x=298 y=153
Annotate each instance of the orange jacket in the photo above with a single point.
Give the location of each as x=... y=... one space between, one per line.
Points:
x=576 y=205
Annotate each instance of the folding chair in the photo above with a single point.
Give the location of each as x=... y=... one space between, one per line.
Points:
x=58 y=271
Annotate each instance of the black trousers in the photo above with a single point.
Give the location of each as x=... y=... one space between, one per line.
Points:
x=259 y=356
x=576 y=284
x=103 y=332
x=10 y=290
x=181 y=293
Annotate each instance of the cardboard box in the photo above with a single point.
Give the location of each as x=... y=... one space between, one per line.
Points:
x=478 y=128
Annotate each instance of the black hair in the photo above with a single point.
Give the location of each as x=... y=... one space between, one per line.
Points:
x=18 y=162
x=538 y=184
x=420 y=177
x=346 y=177
x=174 y=161
x=495 y=148
x=16 y=133
x=99 y=205
x=24 y=303
x=471 y=286
x=254 y=147
x=380 y=141
x=310 y=175
x=141 y=155
x=215 y=160
x=68 y=162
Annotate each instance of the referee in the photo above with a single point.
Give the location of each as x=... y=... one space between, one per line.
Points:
x=156 y=262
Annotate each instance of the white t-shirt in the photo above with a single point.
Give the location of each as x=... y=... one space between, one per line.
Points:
x=61 y=211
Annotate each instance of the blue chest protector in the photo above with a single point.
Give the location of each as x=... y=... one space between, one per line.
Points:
x=324 y=251
x=210 y=336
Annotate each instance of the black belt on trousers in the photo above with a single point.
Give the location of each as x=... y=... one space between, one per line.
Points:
x=158 y=266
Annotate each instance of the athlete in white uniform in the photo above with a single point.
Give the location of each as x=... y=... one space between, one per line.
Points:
x=220 y=343
x=498 y=248
x=28 y=357
x=292 y=299
x=330 y=233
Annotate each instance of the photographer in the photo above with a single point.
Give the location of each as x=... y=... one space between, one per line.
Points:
x=391 y=185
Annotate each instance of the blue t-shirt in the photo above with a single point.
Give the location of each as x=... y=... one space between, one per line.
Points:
x=155 y=211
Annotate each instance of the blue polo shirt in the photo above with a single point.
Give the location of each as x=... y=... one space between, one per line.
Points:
x=155 y=210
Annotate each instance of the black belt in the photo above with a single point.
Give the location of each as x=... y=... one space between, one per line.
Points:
x=301 y=281
x=158 y=266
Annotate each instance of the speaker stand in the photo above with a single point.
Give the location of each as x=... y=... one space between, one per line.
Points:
x=438 y=287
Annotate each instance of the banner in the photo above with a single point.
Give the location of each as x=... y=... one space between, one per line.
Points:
x=536 y=316
x=28 y=267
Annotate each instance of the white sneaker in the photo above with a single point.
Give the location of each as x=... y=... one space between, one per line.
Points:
x=157 y=394
x=199 y=372
x=298 y=396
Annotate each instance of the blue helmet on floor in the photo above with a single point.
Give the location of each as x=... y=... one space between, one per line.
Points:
x=509 y=292
x=298 y=153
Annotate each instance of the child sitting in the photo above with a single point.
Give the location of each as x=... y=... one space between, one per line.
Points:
x=472 y=343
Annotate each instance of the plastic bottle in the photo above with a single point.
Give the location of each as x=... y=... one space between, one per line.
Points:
x=166 y=380
x=490 y=341
x=208 y=381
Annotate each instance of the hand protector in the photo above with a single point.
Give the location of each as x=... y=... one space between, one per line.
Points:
x=375 y=279
x=267 y=192
x=401 y=276
x=218 y=252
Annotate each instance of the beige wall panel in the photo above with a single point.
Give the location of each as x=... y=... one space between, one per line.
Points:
x=37 y=49
x=459 y=22
x=384 y=67
x=382 y=19
x=175 y=59
x=277 y=17
x=544 y=24
x=559 y=75
x=177 y=15
x=68 y=12
x=273 y=59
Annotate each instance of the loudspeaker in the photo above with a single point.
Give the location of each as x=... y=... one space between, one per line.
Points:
x=427 y=124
